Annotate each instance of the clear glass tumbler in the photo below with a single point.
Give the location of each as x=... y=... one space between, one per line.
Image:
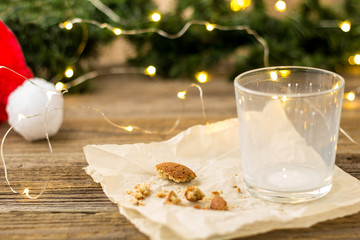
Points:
x=289 y=122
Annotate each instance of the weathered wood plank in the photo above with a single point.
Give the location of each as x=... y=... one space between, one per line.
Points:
x=74 y=207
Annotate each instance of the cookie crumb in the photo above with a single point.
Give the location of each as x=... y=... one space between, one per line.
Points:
x=162 y=193
x=218 y=203
x=173 y=198
x=137 y=202
x=142 y=191
x=239 y=190
x=194 y=194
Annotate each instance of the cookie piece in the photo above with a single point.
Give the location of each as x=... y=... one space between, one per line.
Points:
x=193 y=194
x=218 y=203
x=175 y=171
x=142 y=191
x=173 y=199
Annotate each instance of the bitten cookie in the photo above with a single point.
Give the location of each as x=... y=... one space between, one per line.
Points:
x=175 y=171
x=194 y=194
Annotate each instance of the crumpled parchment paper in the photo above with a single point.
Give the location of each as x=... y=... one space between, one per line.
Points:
x=212 y=152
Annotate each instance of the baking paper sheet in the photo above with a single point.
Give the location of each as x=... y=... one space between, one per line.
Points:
x=212 y=152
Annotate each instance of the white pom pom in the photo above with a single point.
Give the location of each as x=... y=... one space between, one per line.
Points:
x=31 y=99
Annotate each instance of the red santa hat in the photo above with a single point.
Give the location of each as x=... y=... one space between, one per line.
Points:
x=21 y=95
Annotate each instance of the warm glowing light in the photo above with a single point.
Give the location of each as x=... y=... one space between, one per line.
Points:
x=26 y=192
x=210 y=27
x=280 y=6
x=69 y=72
x=117 y=31
x=350 y=96
x=273 y=75
x=345 y=26
x=21 y=117
x=238 y=5
x=275 y=97
x=129 y=128
x=150 y=70
x=284 y=73
x=59 y=86
x=202 y=77
x=284 y=98
x=357 y=59
x=155 y=17
x=352 y=60
x=68 y=25
x=181 y=95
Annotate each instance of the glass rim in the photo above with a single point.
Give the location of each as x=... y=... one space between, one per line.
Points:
x=255 y=92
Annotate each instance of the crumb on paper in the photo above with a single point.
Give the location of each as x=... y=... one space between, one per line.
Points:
x=194 y=194
x=162 y=193
x=141 y=191
x=239 y=190
x=197 y=206
x=175 y=171
x=137 y=202
x=173 y=198
x=218 y=203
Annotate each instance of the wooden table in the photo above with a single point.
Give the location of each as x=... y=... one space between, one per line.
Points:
x=74 y=207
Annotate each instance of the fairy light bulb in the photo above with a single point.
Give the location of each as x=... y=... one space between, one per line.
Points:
x=181 y=95
x=210 y=27
x=21 y=117
x=273 y=75
x=59 y=86
x=155 y=17
x=284 y=73
x=280 y=6
x=357 y=59
x=150 y=70
x=345 y=26
x=238 y=5
x=284 y=98
x=69 y=72
x=129 y=128
x=68 y=25
x=350 y=96
x=117 y=31
x=202 y=77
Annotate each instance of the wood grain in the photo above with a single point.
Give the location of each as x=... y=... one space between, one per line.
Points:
x=74 y=207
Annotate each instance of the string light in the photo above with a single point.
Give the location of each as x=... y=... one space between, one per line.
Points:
x=181 y=95
x=345 y=26
x=68 y=25
x=273 y=75
x=357 y=59
x=117 y=31
x=350 y=96
x=69 y=72
x=181 y=32
x=280 y=6
x=129 y=128
x=150 y=70
x=155 y=17
x=202 y=77
x=209 y=27
x=284 y=73
x=238 y=5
